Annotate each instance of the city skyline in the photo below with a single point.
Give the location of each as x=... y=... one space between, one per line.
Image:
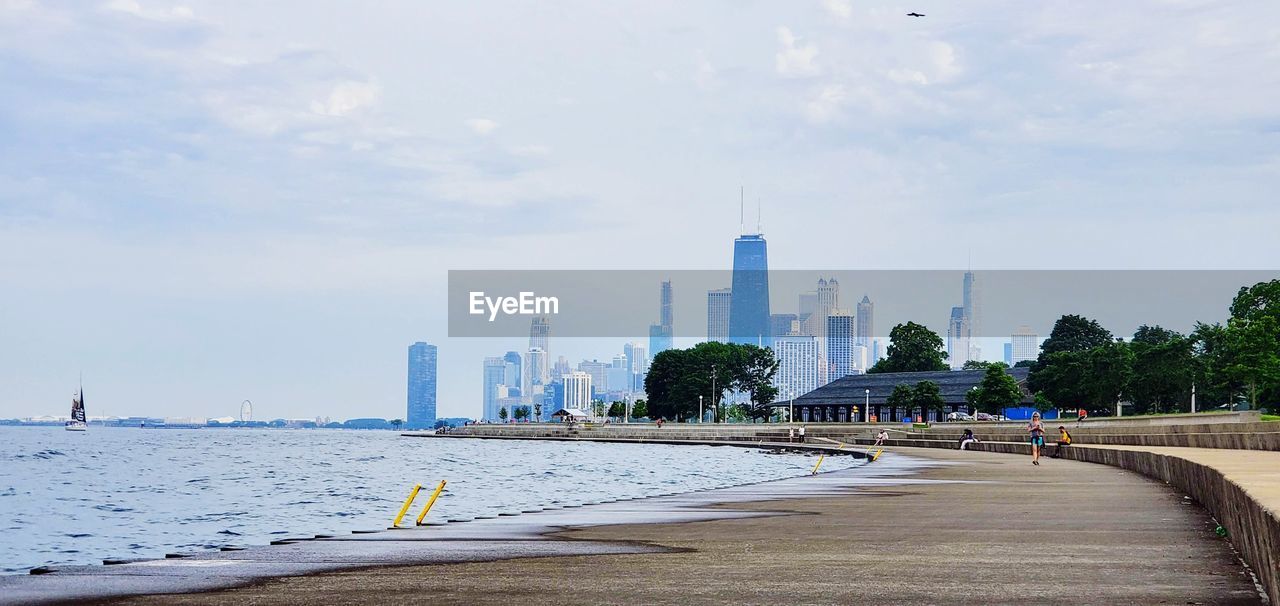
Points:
x=263 y=202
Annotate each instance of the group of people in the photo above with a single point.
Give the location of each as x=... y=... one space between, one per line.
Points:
x=1036 y=431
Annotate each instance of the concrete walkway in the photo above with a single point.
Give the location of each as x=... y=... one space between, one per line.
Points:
x=983 y=528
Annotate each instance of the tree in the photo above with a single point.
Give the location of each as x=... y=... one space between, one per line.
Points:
x=617 y=409
x=502 y=414
x=912 y=348
x=677 y=377
x=928 y=397
x=1024 y=363
x=1075 y=333
x=1164 y=367
x=981 y=365
x=923 y=396
x=1252 y=342
x=997 y=390
x=396 y=423
x=639 y=409
x=521 y=413
x=537 y=412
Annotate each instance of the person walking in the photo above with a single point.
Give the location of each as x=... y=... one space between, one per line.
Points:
x=1036 y=429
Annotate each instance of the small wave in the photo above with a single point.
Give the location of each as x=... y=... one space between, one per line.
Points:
x=112 y=508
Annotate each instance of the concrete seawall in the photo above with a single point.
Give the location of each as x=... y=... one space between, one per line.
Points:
x=1246 y=512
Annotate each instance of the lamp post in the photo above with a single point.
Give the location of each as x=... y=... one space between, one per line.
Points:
x=866 y=406
x=714 y=401
x=701 y=415
x=1193 y=398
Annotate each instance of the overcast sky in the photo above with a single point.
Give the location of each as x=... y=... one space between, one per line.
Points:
x=206 y=202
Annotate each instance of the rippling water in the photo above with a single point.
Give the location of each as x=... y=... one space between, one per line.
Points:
x=71 y=497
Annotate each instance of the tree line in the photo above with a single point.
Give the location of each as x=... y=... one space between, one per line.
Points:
x=677 y=377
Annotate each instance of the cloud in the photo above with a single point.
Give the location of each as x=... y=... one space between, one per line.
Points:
x=841 y=9
x=705 y=75
x=347 y=97
x=794 y=59
x=482 y=126
x=132 y=7
x=826 y=104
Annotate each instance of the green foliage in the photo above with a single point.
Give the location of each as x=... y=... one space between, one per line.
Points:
x=537 y=412
x=1252 y=342
x=997 y=390
x=1164 y=366
x=678 y=376
x=617 y=409
x=923 y=396
x=912 y=348
x=396 y=423
x=1093 y=379
x=502 y=414
x=1024 y=363
x=639 y=409
x=521 y=413
x=1075 y=333
x=981 y=365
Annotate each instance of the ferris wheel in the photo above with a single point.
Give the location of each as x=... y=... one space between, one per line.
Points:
x=246 y=411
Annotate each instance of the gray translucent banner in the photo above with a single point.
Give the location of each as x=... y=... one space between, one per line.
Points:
x=601 y=303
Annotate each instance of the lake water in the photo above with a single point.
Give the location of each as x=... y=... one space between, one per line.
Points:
x=76 y=498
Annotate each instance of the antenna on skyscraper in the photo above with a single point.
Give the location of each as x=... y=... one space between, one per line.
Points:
x=742 y=196
x=759 y=220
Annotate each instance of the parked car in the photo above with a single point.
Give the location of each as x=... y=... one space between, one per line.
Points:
x=982 y=416
x=959 y=416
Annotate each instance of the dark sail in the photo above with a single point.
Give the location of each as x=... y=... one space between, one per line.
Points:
x=77 y=408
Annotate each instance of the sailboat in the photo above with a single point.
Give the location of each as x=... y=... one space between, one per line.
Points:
x=77 y=422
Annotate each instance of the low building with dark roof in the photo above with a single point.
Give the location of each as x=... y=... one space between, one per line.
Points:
x=865 y=397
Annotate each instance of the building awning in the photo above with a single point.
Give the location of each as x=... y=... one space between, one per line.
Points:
x=572 y=413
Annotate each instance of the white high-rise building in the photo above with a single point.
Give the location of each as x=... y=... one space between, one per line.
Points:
x=958 y=351
x=866 y=321
x=577 y=390
x=840 y=339
x=536 y=373
x=1025 y=344
x=494 y=373
x=828 y=301
x=718 y=302
x=798 y=365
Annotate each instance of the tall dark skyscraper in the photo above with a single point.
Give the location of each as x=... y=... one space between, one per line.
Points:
x=866 y=321
x=421 y=412
x=660 y=334
x=749 y=306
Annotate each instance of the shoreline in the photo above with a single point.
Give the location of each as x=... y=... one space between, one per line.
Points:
x=529 y=534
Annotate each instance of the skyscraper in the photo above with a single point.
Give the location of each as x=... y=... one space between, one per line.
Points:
x=536 y=373
x=1008 y=354
x=957 y=338
x=577 y=390
x=808 y=305
x=637 y=363
x=797 y=365
x=513 y=375
x=866 y=321
x=972 y=316
x=718 y=304
x=540 y=334
x=421 y=412
x=660 y=334
x=494 y=375
x=783 y=325
x=749 y=305
x=1025 y=345
x=828 y=301
x=840 y=344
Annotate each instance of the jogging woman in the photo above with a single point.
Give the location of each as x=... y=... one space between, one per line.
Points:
x=1036 y=429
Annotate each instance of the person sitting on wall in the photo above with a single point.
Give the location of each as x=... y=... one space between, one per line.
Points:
x=881 y=437
x=967 y=439
x=1064 y=439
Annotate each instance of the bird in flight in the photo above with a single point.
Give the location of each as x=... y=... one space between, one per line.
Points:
x=914 y=15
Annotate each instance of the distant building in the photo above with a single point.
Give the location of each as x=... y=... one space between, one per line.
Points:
x=797 y=364
x=540 y=334
x=637 y=364
x=807 y=307
x=1025 y=345
x=866 y=322
x=718 y=304
x=749 y=305
x=421 y=412
x=835 y=401
x=598 y=371
x=513 y=372
x=828 y=301
x=536 y=373
x=494 y=375
x=577 y=390
x=840 y=347
x=784 y=325
x=661 y=334
x=957 y=339
x=1008 y=354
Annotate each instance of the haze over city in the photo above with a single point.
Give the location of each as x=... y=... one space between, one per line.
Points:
x=206 y=202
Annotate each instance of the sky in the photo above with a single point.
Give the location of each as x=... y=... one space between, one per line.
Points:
x=206 y=202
